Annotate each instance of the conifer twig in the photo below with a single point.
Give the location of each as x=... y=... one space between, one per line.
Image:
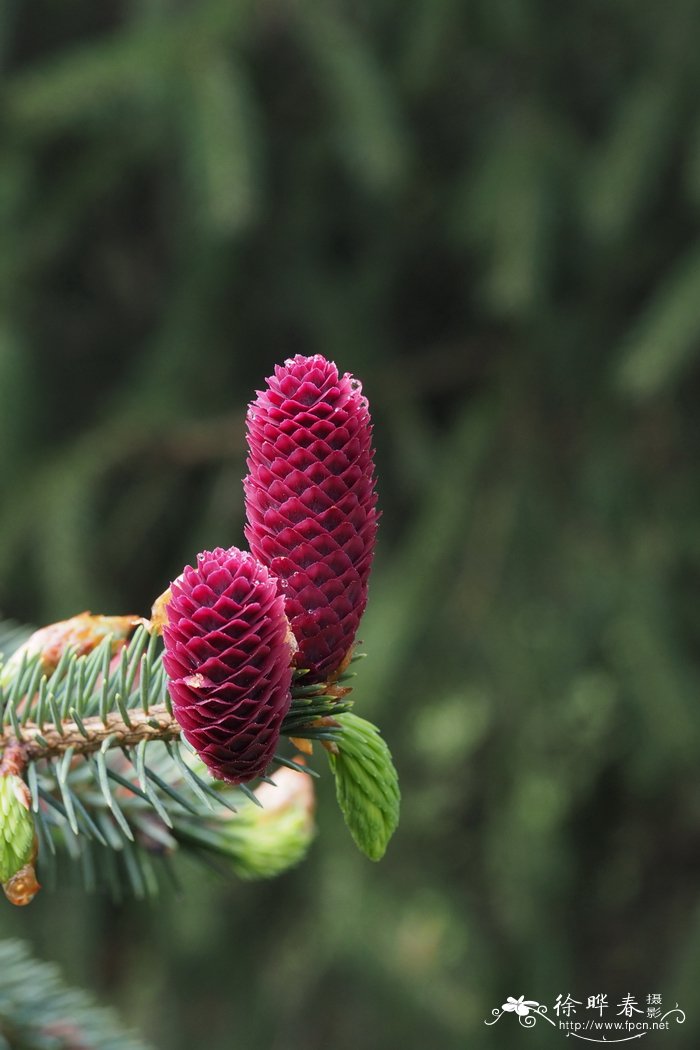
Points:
x=51 y=741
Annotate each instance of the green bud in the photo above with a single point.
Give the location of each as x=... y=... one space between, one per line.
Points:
x=16 y=826
x=265 y=840
x=366 y=784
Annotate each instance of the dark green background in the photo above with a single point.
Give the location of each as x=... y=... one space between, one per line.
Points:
x=490 y=212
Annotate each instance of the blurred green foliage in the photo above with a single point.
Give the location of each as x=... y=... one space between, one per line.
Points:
x=489 y=211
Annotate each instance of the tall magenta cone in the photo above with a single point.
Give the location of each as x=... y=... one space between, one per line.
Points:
x=228 y=655
x=311 y=502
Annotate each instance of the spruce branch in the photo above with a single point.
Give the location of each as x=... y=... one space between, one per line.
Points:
x=112 y=784
x=38 y=1011
x=91 y=734
x=110 y=737
x=103 y=704
x=113 y=787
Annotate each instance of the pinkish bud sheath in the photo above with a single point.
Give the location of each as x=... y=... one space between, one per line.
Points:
x=81 y=633
x=311 y=502
x=228 y=654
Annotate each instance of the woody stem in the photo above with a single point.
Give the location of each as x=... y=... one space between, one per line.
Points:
x=30 y=742
x=51 y=740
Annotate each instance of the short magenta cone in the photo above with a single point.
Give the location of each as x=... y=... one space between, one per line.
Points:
x=311 y=502
x=228 y=655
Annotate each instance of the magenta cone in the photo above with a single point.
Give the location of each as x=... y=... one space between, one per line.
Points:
x=311 y=502
x=228 y=655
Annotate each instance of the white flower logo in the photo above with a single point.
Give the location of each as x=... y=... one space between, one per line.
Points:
x=521 y=1006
